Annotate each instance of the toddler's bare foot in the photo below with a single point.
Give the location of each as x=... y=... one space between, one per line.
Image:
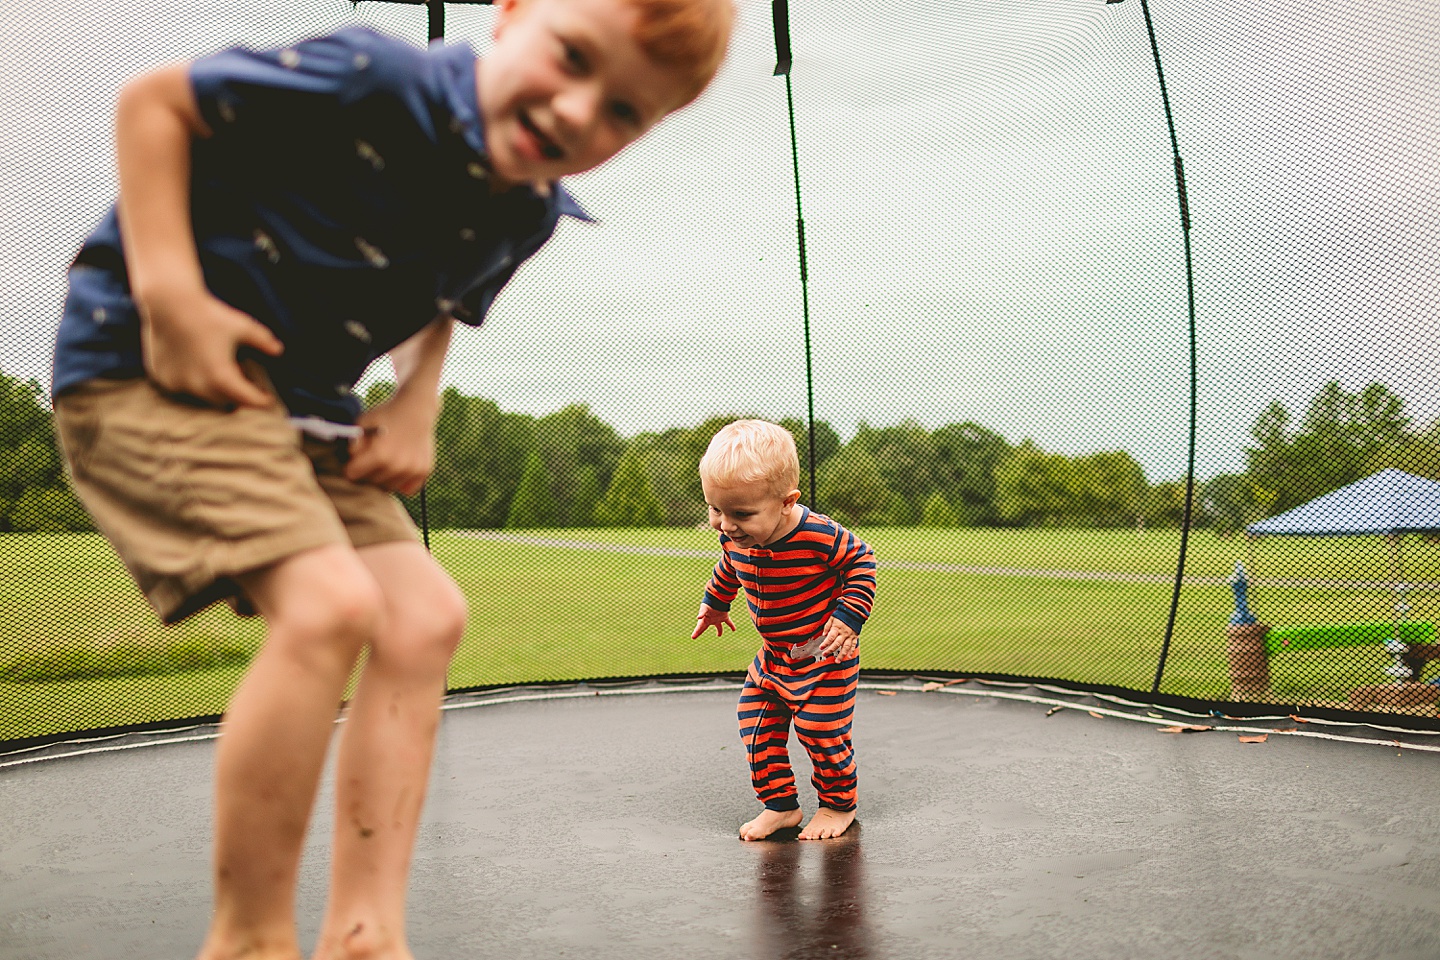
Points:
x=827 y=823
x=768 y=822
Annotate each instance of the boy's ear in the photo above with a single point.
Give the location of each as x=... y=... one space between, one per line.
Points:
x=505 y=10
x=791 y=498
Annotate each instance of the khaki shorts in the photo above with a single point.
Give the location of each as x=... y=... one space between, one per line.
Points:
x=192 y=497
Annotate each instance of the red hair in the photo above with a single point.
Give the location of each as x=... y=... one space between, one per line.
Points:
x=689 y=37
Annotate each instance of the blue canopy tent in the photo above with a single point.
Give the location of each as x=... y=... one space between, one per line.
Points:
x=1390 y=503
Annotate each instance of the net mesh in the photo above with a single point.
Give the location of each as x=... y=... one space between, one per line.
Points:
x=986 y=360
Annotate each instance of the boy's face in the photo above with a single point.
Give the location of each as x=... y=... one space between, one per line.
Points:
x=751 y=514
x=566 y=87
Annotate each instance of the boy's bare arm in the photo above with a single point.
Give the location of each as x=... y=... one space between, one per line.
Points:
x=398 y=449
x=189 y=338
x=419 y=362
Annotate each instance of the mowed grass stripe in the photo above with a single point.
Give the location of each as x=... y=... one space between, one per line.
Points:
x=548 y=613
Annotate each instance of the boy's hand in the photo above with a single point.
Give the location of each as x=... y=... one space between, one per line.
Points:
x=397 y=452
x=710 y=617
x=190 y=344
x=838 y=641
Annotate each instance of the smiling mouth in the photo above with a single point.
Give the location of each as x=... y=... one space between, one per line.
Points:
x=548 y=148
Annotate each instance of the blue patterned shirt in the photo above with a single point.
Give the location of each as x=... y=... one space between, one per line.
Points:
x=343 y=201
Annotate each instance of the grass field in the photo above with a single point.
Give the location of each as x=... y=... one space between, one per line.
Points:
x=556 y=613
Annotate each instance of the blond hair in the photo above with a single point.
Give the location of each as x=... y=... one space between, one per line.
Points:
x=752 y=451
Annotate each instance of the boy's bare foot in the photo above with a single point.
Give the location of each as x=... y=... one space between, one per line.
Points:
x=768 y=822
x=827 y=823
x=218 y=948
x=363 y=941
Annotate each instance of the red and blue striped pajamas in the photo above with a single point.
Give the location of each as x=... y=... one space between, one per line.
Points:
x=793 y=586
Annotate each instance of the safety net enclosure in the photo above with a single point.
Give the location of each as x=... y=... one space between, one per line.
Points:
x=1049 y=371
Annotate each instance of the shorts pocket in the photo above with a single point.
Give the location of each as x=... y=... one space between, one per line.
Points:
x=78 y=420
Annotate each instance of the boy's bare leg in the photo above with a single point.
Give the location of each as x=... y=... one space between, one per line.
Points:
x=320 y=607
x=385 y=752
x=768 y=822
x=827 y=823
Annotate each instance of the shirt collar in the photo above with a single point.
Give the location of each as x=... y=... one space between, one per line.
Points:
x=569 y=206
x=804 y=516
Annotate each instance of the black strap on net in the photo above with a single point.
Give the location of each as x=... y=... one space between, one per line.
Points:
x=780 y=15
x=1190 y=298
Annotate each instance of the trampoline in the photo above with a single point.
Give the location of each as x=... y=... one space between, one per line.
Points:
x=996 y=820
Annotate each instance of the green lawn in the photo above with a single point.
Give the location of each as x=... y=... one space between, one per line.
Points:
x=551 y=613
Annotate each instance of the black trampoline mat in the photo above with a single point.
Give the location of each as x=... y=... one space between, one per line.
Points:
x=605 y=827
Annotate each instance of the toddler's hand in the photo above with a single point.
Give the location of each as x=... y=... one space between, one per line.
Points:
x=838 y=641
x=710 y=617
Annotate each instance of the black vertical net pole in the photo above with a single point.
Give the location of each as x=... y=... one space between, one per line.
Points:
x=780 y=14
x=437 y=19
x=1190 y=295
x=436 y=10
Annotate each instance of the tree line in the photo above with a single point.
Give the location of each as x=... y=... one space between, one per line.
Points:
x=35 y=494
x=571 y=469
x=1340 y=438
x=496 y=469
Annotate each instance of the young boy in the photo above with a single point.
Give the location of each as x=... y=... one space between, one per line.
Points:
x=810 y=584
x=285 y=218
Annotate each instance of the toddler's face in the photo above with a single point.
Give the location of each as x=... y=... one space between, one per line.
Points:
x=751 y=514
x=566 y=87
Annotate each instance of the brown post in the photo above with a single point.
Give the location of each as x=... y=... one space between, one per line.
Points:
x=1245 y=636
x=1249 y=661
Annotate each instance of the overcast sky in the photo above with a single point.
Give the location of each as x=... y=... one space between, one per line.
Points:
x=989 y=198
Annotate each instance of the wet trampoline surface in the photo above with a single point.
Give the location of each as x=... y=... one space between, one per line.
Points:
x=605 y=827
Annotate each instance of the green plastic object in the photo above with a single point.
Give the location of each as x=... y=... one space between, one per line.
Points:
x=1347 y=635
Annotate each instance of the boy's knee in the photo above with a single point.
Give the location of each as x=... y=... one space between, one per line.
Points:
x=425 y=630
x=356 y=611
x=342 y=615
x=447 y=618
